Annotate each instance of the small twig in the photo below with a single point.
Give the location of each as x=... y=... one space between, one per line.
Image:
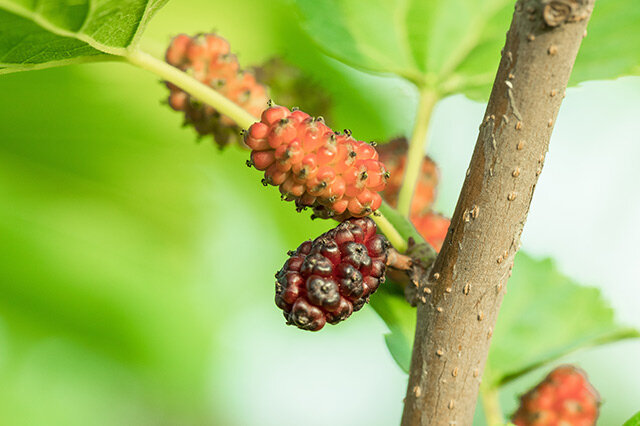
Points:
x=399 y=261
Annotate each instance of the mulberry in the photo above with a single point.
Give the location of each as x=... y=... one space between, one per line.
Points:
x=207 y=58
x=329 y=278
x=332 y=173
x=394 y=156
x=564 y=397
x=431 y=225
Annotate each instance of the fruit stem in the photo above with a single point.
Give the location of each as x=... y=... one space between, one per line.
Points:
x=399 y=261
x=491 y=405
x=417 y=147
x=192 y=86
x=390 y=231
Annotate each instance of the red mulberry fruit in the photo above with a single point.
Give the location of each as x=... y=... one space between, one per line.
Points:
x=564 y=397
x=207 y=58
x=329 y=278
x=334 y=174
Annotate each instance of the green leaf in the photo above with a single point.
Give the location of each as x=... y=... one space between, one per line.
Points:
x=41 y=34
x=528 y=334
x=610 y=49
x=454 y=45
x=367 y=34
x=423 y=41
x=545 y=316
x=633 y=421
x=400 y=317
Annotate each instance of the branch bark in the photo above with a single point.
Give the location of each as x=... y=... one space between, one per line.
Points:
x=465 y=287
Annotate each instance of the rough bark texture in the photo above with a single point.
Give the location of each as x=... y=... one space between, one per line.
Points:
x=463 y=291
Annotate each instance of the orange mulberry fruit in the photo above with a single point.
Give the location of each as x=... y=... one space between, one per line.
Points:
x=564 y=397
x=207 y=58
x=332 y=173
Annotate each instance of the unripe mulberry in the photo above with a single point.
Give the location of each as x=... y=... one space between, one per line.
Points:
x=433 y=227
x=333 y=173
x=564 y=397
x=394 y=156
x=329 y=278
x=207 y=58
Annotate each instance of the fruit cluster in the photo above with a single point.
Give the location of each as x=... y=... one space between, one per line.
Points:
x=564 y=397
x=329 y=278
x=207 y=58
x=331 y=172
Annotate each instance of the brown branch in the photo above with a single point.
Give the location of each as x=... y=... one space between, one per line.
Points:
x=469 y=277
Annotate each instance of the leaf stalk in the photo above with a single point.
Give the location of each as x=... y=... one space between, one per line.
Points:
x=417 y=147
x=490 y=398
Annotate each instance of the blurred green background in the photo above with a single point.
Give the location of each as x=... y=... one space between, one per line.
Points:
x=136 y=265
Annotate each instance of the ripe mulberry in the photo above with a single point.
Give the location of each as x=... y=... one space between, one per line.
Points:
x=329 y=278
x=207 y=58
x=564 y=397
x=333 y=173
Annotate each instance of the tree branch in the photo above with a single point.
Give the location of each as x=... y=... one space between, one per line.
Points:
x=469 y=277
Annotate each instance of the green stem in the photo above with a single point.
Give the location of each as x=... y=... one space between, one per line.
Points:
x=192 y=86
x=428 y=99
x=390 y=232
x=491 y=404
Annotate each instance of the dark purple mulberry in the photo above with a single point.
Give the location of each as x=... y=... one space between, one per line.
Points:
x=327 y=279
